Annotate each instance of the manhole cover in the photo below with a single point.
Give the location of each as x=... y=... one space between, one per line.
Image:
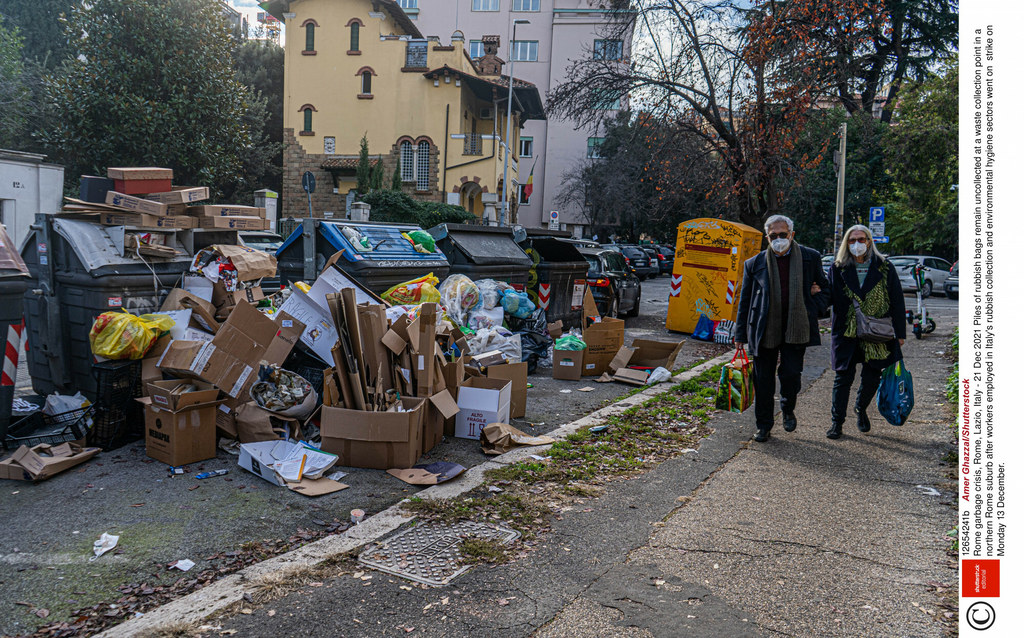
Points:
x=429 y=554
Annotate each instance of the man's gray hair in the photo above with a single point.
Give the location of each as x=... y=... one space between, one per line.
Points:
x=775 y=219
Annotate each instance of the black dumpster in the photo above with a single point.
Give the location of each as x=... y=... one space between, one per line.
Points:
x=387 y=258
x=13 y=282
x=558 y=276
x=483 y=252
x=77 y=273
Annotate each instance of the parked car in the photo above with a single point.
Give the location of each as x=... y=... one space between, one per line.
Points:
x=583 y=243
x=615 y=287
x=652 y=254
x=667 y=259
x=826 y=262
x=636 y=258
x=261 y=239
x=952 y=285
x=936 y=270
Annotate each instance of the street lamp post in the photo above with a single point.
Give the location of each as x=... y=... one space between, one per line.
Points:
x=508 y=120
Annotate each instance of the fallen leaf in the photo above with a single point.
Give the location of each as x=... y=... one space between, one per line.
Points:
x=271 y=612
x=247 y=611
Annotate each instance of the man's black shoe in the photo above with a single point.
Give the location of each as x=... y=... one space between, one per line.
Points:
x=761 y=436
x=788 y=421
x=836 y=431
x=862 y=421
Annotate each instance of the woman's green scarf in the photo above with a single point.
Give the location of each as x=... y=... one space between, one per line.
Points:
x=874 y=304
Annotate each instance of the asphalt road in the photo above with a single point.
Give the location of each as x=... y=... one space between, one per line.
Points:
x=51 y=526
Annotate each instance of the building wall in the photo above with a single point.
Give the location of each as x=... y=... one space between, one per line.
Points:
x=28 y=187
x=562 y=36
x=404 y=104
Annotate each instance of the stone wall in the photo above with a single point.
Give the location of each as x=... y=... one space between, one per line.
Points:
x=293 y=198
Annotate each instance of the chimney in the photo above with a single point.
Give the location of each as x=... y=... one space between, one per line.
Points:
x=490 y=64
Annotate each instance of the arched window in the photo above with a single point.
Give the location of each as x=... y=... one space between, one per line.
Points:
x=367 y=83
x=310 y=36
x=307 y=121
x=423 y=166
x=408 y=162
x=354 y=38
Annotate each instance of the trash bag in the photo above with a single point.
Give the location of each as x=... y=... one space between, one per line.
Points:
x=500 y=339
x=517 y=304
x=491 y=292
x=896 y=394
x=736 y=384
x=536 y=348
x=658 y=375
x=421 y=241
x=459 y=295
x=481 y=319
x=570 y=342
x=705 y=329
x=122 y=335
x=358 y=240
x=416 y=291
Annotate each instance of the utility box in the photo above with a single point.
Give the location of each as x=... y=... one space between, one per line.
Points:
x=28 y=186
x=708 y=270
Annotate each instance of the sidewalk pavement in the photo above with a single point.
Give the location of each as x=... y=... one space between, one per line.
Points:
x=799 y=536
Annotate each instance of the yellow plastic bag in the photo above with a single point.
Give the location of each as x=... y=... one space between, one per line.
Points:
x=122 y=335
x=420 y=290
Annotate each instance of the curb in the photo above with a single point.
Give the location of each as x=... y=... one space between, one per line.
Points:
x=227 y=591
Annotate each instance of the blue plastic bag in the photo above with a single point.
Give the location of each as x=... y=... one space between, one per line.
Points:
x=896 y=394
x=517 y=304
x=705 y=329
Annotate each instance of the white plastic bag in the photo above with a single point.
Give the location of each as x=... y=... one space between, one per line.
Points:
x=61 y=403
x=500 y=339
x=658 y=375
x=485 y=319
x=491 y=291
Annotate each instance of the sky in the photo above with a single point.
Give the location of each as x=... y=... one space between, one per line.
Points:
x=249 y=9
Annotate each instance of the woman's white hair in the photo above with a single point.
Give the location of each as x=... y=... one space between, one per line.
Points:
x=775 y=219
x=843 y=255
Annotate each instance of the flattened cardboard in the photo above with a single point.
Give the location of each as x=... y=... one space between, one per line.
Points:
x=429 y=474
x=498 y=438
x=318 y=487
x=603 y=342
x=631 y=376
x=40 y=462
x=589 y=305
x=136 y=204
x=621 y=359
x=179 y=438
x=250 y=263
x=424 y=348
x=567 y=365
x=234 y=223
x=181 y=195
x=226 y=211
x=375 y=440
x=516 y=373
x=202 y=311
x=442 y=407
x=140 y=220
x=482 y=401
x=332 y=279
x=140 y=173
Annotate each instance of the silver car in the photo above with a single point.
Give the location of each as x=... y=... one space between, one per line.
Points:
x=936 y=270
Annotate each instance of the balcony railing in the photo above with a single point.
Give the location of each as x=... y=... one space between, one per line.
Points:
x=473 y=144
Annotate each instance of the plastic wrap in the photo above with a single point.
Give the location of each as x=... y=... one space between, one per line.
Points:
x=570 y=342
x=122 y=335
x=491 y=292
x=482 y=319
x=459 y=295
x=508 y=343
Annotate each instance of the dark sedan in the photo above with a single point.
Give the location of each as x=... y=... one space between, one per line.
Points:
x=615 y=288
x=636 y=259
x=666 y=258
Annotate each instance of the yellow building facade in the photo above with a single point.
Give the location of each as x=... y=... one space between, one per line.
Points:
x=361 y=67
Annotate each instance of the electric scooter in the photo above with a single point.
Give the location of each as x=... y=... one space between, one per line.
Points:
x=921 y=322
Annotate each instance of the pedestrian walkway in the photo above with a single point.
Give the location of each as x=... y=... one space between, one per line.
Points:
x=799 y=536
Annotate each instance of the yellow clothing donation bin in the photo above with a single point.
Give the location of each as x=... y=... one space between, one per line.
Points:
x=708 y=271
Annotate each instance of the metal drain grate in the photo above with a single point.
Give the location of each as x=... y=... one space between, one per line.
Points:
x=429 y=554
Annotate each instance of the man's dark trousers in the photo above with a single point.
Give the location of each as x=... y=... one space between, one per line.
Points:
x=789 y=360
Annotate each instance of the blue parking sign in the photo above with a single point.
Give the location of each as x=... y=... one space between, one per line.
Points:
x=876 y=214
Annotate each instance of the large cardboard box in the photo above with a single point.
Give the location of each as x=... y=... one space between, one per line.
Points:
x=136 y=204
x=141 y=180
x=181 y=195
x=603 y=341
x=567 y=365
x=234 y=223
x=42 y=461
x=178 y=438
x=227 y=211
x=375 y=440
x=654 y=354
x=177 y=222
x=482 y=401
x=178 y=394
x=516 y=373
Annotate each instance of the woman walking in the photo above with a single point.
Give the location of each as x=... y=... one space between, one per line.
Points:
x=862 y=276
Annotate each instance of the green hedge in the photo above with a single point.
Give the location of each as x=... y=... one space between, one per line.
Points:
x=395 y=206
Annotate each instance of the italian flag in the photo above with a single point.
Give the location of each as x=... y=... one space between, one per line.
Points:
x=528 y=186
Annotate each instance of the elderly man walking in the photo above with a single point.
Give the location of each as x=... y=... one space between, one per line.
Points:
x=784 y=292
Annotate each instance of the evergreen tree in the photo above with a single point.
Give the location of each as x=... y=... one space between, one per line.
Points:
x=396 y=177
x=13 y=92
x=363 y=167
x=377 y=176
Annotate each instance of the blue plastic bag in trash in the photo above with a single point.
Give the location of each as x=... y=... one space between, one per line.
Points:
x=705 y=329
x=896 y=394
x=517 y=304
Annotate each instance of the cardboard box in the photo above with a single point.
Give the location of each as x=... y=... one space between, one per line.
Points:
x=40 y=462
x=555 y=329
x=482 y=401
x=631 y=376
x=136 y=204
x=375 y=440
x=234 y=223
x=654 y=354
x=440 y=409
x=567 y=365
x=177 y=222
x=516 y=373
x=260 y=458
x=319 y=334
x=603 y=341
x=250 y=263
x=181 y=195
x=178 y=438
x=424 y=348
x=178 y=394
x=141 y=180
x=225 y=300
x=227 y=211
x=202 y=310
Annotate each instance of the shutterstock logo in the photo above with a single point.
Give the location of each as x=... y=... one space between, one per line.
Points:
x=981 y=616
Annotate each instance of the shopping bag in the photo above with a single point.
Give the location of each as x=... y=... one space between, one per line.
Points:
x=705 y=329
x=896 y=394
x=122 y=335
x=736 y=384
x=724 y=330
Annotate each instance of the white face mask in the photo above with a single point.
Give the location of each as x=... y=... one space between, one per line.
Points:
x=780 y=245
x=858 y=249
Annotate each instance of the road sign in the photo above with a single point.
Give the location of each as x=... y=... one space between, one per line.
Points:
x=876 y=214
x=881 y=240
x=877 y=229
x=554 y=216
x=308 y=182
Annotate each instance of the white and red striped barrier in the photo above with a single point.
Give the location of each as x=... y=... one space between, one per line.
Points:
x=730 y=291
x=676 y=286
x=544 y=295
x=10 y=372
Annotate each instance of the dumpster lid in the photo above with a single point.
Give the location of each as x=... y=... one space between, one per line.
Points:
x=11 y=263
x=385 y=239
x=555 y=250
x=483 y=245
x=93 y=244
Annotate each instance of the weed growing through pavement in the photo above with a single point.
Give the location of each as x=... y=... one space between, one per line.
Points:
x=526 y=494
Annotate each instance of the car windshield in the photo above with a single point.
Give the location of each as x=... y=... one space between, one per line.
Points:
x=632 y=251
x=595 y=266
x=615 y=263
x=902 y=262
